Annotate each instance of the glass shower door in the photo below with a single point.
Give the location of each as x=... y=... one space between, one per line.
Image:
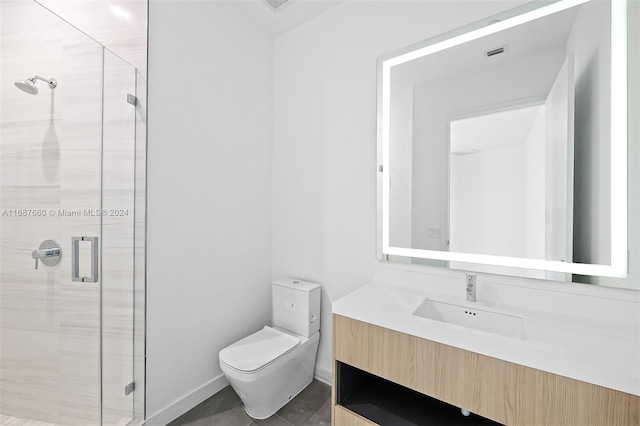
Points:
x=80 y=139
x=68 y=173
x=118 y=204
x=50 y=154
x=49 y=178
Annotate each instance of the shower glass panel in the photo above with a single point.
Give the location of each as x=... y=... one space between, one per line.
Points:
x=71 y=167
x=118 y=179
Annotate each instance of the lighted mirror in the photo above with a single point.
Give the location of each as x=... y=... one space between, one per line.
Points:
x=502 y=145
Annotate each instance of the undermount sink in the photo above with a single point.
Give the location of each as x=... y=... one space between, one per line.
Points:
x=476 y=317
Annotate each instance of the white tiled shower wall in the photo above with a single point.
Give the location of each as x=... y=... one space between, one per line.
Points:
x=50 y=159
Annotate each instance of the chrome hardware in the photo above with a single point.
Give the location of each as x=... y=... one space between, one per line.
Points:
x=471 y=287
x=75 y=259
x=49 y=252
x=132 y=99
x=129 y=388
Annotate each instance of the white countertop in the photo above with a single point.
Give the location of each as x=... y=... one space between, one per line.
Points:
x=593 y=351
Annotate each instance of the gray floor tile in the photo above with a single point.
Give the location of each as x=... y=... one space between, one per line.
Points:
x=224 y=408
x=320 y=417
x=299 y=410
x=274 y=420
x=312 y=407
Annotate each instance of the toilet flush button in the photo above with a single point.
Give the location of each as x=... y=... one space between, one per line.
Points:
x=290 y=305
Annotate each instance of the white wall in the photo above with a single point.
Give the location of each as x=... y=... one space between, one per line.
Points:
x=401 y=132
x=324 y=152
x=209 y=196
x=517 y=79
x=316 y=194
x=592 y=200
x=324 y=159
x=535 y=188
x=497 y=194
x=487 y=209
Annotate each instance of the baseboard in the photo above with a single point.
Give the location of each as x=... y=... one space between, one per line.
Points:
x=323 y=374
x=181 y=406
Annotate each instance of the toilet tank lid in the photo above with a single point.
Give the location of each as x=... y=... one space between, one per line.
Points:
x=296 y=284
x=257 y=350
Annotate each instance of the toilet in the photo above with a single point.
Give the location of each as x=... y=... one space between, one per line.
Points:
x=271 y=366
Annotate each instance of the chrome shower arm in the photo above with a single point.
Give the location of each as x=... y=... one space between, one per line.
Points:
x=50 y=81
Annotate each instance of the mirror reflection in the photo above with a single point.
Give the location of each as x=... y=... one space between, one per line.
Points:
x=501 y=146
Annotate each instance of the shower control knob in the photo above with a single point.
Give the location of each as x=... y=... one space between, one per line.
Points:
x=49 y=251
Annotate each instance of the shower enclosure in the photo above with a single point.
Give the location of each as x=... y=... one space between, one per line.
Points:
x=72 y=222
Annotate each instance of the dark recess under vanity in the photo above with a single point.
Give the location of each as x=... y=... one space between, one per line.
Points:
x=390 y=404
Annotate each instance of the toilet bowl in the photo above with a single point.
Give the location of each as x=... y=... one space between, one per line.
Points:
x=270 y=367
x=278 y=369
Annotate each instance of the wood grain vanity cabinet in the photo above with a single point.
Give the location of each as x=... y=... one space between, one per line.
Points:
x=498 y=390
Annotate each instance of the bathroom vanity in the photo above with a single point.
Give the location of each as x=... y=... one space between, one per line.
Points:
x=558 y=370
x=546 y=353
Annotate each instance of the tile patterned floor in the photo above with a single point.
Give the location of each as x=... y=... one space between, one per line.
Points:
x=312 y=407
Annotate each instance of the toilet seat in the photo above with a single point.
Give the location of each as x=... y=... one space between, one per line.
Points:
x=258 y=350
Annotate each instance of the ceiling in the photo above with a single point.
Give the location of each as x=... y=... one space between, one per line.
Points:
x=286 y=17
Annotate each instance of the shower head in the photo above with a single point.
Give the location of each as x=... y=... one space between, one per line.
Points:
x=29 y=85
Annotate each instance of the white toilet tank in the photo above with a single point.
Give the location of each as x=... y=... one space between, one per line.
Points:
x=296 y=306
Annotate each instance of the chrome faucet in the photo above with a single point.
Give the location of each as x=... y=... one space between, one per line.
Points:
x=471 y=287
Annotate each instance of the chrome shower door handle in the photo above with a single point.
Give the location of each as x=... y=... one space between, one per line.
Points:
x=75 y=259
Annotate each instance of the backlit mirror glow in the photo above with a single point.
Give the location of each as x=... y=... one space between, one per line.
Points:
x=485 y=140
